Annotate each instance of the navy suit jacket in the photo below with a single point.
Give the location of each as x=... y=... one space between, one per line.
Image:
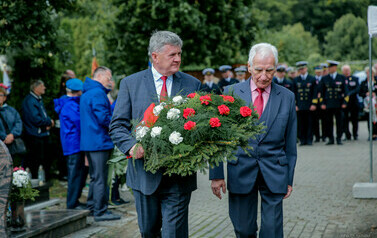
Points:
x=136 y=93
x=274 y=151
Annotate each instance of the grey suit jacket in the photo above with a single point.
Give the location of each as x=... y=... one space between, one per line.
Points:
x=136 y=93
x=274 y=153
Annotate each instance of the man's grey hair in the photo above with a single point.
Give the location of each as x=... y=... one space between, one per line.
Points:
x=100 y=70
x=366 y=69
x=263 y=49
x=161 y=38
x=346 y=66
x=35 y=83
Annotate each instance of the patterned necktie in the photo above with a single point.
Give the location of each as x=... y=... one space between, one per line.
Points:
x=259 y=102
x=164 y=91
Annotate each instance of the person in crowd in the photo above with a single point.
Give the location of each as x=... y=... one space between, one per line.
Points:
x=292 y=73
x=162 y=201
x=37 y=125
x=241 y=73
x=305 y=90
x=10 y=123
x=333 y=97
x=208 y=84
x=351 y=112
x=68 y=74
x=325 y=69
x=318 y=114
x=95 y=116
x=226 y=74
x=269 y=167
x=280 y=78
x=364 y=93
x=68 y=109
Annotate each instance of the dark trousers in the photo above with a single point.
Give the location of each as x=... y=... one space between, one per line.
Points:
x=330 y=113
x=77 y=172
x=243 y=210
x=318 y=121
x=304 y=118
x=37 y=154
x=163 y=209
x=351 y=113
x=98 y=196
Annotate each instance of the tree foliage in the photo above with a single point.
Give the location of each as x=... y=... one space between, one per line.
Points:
x=349 y=39
x=292 y=41
x=214 y=32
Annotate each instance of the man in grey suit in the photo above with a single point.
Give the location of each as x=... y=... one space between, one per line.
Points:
x=161 y=201
x=269 y=168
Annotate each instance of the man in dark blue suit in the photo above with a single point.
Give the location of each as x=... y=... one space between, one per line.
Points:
x=161 y=201
x=269 y=167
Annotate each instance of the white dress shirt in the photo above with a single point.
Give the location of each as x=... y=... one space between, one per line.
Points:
x=158 y=82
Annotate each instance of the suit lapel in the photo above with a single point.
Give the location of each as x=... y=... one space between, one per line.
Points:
x=271 y=111
x=150 y=86
x=176 y=87
x=245 y=92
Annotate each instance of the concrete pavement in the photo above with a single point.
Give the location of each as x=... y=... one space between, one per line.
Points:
x=321 y=204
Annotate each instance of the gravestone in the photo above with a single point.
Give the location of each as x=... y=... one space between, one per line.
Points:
x=6 y=170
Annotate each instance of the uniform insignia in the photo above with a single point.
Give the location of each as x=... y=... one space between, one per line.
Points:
x=338 y=83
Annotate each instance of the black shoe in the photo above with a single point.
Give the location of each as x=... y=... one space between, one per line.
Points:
x=355 y=137
x=331 y=142
x=339 y=142
x=81 y=207
x=310 y=143
x=302 y=143
x=107 y=216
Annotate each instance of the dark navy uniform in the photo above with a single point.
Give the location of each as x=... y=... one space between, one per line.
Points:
x=285 y=83
x=214 y=88
x=225 y=82
x=351 y=113
x=333 y=95
x=318 y=117
x=305 y=91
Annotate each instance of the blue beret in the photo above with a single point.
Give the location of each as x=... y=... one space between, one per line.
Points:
x=224 y=68
x=74 y=84
x=281 y=68
x=301 y=64
x=318 y=67
x=208 y=71
x=324 y=65
x=241 y=69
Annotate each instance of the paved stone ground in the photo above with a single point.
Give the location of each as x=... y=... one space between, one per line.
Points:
x=321 y=204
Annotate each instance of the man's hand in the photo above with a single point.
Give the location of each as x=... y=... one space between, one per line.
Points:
x=52 y=123
x=312 y=108
x=323 y=107
x=296 y=108
x=289 y=191
x=9 y=139
x=344 y=106
x=217 y=185
x=137 y=151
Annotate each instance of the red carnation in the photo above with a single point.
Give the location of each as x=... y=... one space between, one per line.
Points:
x=189 y=125
x=191 y=95
x=205 y=99
x=214 y=122
x=228 y=98
x=223 y=110
x=188 y=112
x=17 y=168
x=245 y=111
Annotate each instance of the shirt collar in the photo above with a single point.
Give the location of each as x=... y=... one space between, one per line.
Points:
x=303 y=76
x=157 y=75
x=35 y=95
x=334 y=75
x=254 y=87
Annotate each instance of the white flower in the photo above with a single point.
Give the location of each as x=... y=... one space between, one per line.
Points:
x=173 y=114
x=141 y=131
x=20 y=179
x=157 y=109
x=178 y=100
x=175 y=138
x=156 y=131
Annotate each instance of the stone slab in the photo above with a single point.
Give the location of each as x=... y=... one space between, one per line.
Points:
x=364 y=190
x=52 y=223
x=42 y=205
